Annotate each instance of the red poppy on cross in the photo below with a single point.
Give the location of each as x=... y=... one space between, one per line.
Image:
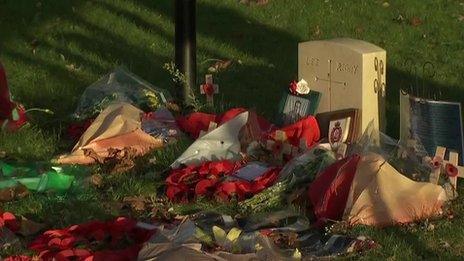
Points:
x=209 y=89
x=280 y=145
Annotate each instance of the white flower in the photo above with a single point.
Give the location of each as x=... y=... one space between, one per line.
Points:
x=302 y=87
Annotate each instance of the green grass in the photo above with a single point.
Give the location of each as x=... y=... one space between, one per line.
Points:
x=78 y=41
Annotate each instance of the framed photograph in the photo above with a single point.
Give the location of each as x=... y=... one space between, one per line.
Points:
x=338 y=126
x=294 y=107
x=432 y=123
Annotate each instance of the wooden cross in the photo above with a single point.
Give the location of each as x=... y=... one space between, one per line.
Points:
x=330 y=81
x=209 y=89
x=453 y=159
x=280 y=139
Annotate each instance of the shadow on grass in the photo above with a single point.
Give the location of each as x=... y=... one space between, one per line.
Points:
x=252 y=85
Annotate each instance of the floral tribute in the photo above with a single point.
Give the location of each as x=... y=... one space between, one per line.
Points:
x=8 y=220
x=299 y=88
x=121 y=239
x=214 y=179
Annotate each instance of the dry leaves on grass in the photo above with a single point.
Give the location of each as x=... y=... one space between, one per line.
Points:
x=416 y=21
x=220 y=65
x=96 y=180
x=14 y=193
x=117 y=161
x=285 y=240
x=159 y=207
x=136 y=203
x=29 y=228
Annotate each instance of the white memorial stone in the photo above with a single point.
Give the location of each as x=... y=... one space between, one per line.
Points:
x=350 y=74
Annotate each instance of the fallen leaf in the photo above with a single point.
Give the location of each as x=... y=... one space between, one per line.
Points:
x=431 y=227
x=416 y=21
x=445 y=244
x=29 y=228
x=137 y=203
x=220 y=66
x=96 y=180
x=10 y=194
x=386 y=4
x=173 y=106
x=72 y=67
x=2 y=154
x=461 y=18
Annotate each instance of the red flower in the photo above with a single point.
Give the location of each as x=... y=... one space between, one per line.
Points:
x=9 y=221
x=436 y=162
x=451 y=170
x=208 y=89
x=72 y=254
x=205 y=187
x=292 y=87
x=184 y=184
x=62 y=244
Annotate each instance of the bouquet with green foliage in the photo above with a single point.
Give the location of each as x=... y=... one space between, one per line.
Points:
x=295 y=176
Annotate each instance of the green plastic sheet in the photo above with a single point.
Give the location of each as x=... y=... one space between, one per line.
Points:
x=37 y=177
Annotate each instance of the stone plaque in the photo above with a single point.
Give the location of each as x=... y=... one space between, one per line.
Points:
x=350 y=74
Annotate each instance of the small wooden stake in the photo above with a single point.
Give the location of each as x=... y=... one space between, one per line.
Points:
x=209 y=89
x=453 y=159
x=435 y=174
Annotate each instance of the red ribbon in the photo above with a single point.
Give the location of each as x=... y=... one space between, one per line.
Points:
x=9 y=221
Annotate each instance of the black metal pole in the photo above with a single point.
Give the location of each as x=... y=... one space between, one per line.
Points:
x=186 y=45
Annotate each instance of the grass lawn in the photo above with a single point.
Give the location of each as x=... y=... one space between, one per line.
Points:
x=53 y=49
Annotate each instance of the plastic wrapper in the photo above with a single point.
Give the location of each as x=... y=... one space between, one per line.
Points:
x=162 y=125
x=293 y=179
x=119 y=86
x=408 y=157
x=38 y=177
x=390 y=185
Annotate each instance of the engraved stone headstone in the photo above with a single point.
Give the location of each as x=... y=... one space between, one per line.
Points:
x=349 y=73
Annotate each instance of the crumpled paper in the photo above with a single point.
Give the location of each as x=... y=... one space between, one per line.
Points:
x=220 y=144
x=117 y=127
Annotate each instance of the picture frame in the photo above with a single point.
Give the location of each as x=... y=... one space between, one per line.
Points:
x=294 y=107
x=339 y=126
x=432 y=123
